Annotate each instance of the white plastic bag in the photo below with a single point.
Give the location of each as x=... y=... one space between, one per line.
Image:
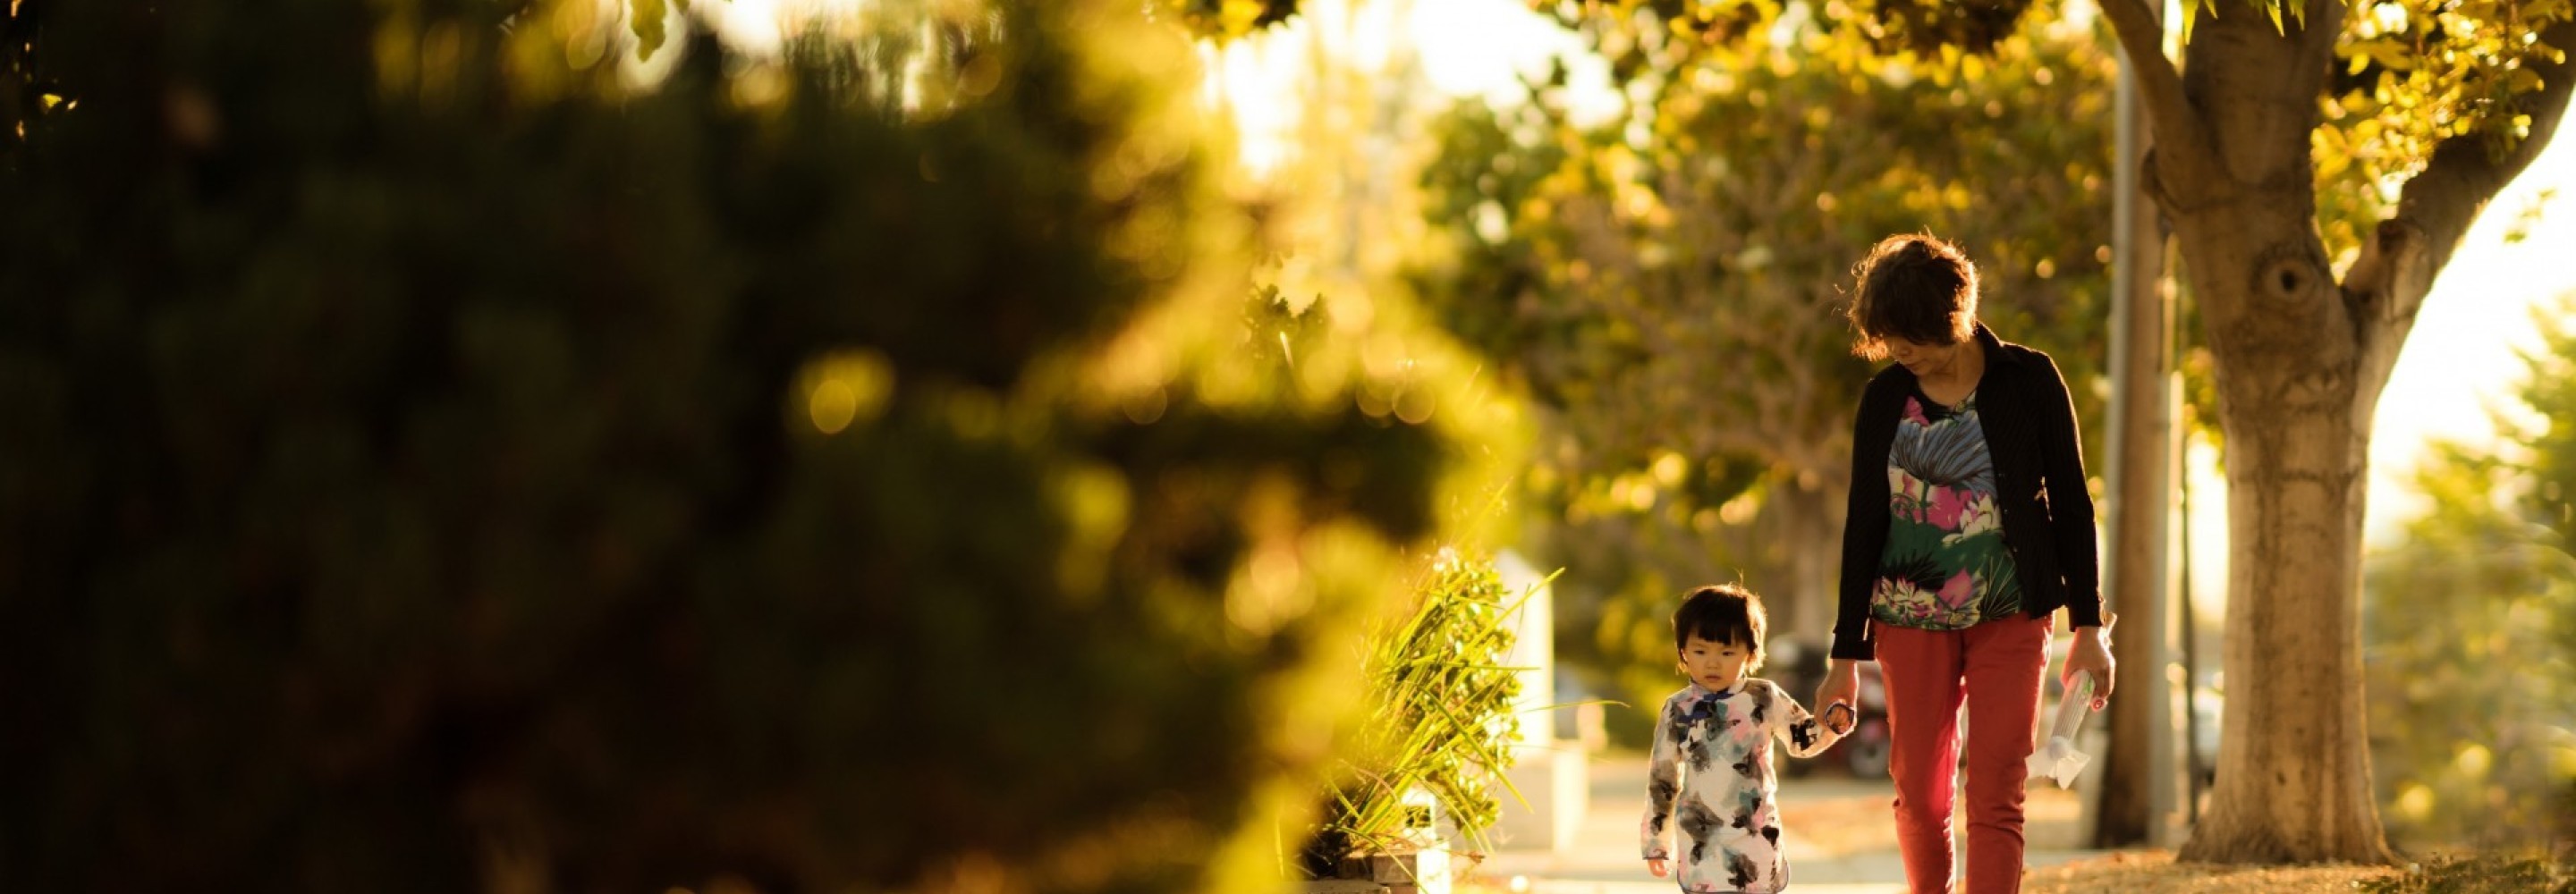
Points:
x=2058 y=759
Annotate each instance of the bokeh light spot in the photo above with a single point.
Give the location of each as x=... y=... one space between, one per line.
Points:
x=845 y=388
x=832 y=406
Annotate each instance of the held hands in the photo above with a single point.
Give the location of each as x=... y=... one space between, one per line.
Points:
x=1655 y=865
x=1839 y=718
x=1840 y=689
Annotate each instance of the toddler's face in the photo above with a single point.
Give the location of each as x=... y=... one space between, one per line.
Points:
x=1714 y=665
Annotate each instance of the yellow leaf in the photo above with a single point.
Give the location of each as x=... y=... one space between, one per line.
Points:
x=1238 y=15
x=647 y=24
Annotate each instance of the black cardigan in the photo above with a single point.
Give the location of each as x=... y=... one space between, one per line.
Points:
x=2039 y=484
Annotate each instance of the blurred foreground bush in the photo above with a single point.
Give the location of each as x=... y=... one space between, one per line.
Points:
x=432 y=465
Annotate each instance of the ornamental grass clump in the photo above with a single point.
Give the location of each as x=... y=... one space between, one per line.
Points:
x=1440 y=723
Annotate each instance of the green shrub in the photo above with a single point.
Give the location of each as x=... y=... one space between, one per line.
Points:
x=433 y=466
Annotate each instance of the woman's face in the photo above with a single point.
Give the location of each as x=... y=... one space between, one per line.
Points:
x=1921 y=359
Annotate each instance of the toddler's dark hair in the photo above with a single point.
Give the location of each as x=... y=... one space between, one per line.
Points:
x=1723 y=613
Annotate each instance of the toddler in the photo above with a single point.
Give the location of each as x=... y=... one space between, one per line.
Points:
x=1711 y=768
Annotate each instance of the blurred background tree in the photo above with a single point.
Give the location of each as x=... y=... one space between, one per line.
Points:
x=1667 y=286
x=440 y=459
x=2471 y=631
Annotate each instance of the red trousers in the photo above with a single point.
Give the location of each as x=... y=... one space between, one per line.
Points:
x=1996 y=666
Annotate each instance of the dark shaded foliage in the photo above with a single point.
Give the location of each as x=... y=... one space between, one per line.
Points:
x=419 y=474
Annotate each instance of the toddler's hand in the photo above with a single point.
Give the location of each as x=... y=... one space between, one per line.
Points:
x=1655 y=866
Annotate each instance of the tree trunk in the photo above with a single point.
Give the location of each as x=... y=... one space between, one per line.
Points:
x=2298 y=369
x=2300 y=362
x=2295 y=398
x=2294 y=781
x=1811 y=506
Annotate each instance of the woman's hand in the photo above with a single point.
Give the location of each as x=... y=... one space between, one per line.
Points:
x=2092 y=653
x=1842 y=684
x=1656 y=866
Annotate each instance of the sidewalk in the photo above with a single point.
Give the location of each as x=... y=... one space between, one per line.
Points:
x=1838 y=833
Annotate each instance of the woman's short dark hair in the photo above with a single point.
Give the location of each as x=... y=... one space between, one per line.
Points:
x=1914 y=286
x=1724 y=613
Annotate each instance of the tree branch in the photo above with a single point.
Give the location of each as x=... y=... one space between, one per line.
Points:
x=2388 y=281
x=2179 y=138
x=2439 y=204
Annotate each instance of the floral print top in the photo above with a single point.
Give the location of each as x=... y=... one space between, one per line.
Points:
x=1946 y=566
x=1711 y=775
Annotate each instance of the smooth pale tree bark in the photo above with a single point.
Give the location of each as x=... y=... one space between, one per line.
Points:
x=2134 y=802
x=2301 y=357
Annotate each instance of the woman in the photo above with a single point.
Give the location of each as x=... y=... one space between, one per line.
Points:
x=1969 y=526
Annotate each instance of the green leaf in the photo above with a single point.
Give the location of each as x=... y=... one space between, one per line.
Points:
x=646 y=20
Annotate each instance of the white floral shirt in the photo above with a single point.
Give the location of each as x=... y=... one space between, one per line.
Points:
x=1711 y=771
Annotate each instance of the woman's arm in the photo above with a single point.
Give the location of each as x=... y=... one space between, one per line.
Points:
x=1864 y=522
x=2070 y=514
x=2070 y=505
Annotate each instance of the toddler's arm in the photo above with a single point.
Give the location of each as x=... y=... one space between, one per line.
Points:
x=1663 y=787
x=1805 y=736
